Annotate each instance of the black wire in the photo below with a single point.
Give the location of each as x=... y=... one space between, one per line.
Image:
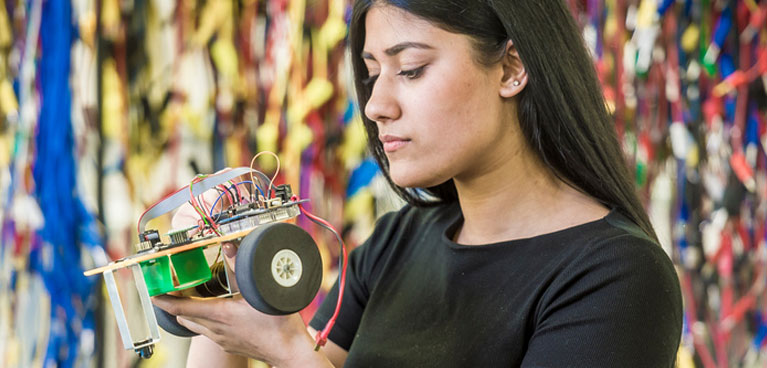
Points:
x=218 y=215
x=234 y=195
x=264 y=180
x=229 y=190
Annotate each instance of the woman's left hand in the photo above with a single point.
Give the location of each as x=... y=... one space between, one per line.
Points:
x=240 y=329
x=234 y=324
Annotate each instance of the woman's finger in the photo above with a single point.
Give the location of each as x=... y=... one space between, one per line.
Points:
x=186 y=215
x=230 y=256
x=195 y=325
x=230 y=251
x=189 y=307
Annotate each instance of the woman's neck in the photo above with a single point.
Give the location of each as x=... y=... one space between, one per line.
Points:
x=515 y=197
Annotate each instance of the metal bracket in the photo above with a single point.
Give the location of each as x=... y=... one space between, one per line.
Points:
x=146 y=306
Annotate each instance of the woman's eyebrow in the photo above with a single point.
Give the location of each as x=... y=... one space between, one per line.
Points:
x=396 y=49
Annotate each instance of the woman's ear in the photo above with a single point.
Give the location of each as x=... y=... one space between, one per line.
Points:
x=514 y=73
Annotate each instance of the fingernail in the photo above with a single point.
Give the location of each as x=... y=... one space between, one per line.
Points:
x=229 y=250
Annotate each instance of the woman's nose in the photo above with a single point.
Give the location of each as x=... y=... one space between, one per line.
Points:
x=382 y=105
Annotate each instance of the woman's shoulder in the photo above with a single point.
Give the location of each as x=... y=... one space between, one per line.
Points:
x=615 y=242
x=617 y=261
x=624 y=240
x=617 y=292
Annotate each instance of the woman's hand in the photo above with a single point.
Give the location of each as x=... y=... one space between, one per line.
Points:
x=240 y=329
x=233 y=323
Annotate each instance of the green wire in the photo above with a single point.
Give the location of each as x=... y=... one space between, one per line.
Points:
x=191 y=193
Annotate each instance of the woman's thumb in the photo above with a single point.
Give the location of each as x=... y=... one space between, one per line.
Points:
x=230 y=251
x=230 y=254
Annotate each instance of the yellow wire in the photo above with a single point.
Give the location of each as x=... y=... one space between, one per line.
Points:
x=253 y=161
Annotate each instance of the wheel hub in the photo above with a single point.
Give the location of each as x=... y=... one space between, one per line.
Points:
x=286 y=268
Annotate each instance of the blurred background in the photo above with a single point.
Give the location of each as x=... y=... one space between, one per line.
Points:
x=109 y=105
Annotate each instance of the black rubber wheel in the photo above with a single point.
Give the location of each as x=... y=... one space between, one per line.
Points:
x=278 y=268
x=169 y=323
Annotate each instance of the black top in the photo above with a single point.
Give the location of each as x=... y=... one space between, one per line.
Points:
x=600 y=294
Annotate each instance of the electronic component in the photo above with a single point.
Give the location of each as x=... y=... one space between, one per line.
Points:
x=152 y=236
x=218 y=283
x=179 y=237
x=283 y=192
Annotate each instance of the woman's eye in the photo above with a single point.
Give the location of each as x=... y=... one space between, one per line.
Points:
x=409 y=74
x=412 y=73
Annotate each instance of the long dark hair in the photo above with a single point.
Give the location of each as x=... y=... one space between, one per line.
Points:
x=561 y=110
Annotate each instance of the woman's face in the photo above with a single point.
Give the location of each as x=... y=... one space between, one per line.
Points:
x=439 y=113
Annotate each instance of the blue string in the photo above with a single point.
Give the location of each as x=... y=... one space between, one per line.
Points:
x=68 y=225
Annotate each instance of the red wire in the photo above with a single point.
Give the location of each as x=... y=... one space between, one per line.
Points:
x=138 y=225
x=138 y=229
x=228 y=194
x=202 y=204
x=322 y=336
x=196 y=204
x=236 y=189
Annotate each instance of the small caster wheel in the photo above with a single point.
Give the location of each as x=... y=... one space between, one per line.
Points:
x=169 y=323
x=145 y=352
x=278 y=268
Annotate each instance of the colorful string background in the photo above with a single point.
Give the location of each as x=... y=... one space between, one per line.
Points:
x=686 y=82
x=134 y=97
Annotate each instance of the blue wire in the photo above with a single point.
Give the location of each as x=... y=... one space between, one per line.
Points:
x=250 y=182
x=222 y=194
x=215 y=203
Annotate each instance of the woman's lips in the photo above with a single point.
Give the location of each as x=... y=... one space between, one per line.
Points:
x=392 y=146
x=393 y=143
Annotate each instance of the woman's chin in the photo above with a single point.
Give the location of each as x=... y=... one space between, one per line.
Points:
x=414 y=181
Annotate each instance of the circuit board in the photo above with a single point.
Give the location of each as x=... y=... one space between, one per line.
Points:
x=234 y=224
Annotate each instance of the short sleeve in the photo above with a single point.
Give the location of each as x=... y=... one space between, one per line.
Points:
x=361 y=276
x=618 y=305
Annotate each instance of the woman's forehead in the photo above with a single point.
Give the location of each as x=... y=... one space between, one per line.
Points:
x=387 y=26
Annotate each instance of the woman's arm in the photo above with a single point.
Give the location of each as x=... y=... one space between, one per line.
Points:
x=204 y=353
x=334 y=353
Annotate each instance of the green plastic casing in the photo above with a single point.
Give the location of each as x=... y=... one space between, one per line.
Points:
x=191 y=270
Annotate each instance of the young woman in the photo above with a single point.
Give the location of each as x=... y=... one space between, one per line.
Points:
x=524 y=243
